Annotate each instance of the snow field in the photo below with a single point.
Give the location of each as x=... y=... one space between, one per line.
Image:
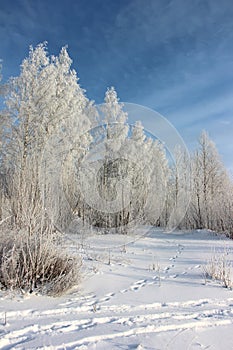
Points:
x=150 y=294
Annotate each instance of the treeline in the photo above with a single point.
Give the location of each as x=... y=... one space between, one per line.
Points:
x=54 y=169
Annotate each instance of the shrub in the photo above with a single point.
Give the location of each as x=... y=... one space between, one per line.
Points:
x=35 y=262
x=219 y=268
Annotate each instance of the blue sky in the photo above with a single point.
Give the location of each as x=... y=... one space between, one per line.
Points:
x=175 y=56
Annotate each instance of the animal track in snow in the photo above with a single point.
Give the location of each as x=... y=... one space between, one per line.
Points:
x=142 y=319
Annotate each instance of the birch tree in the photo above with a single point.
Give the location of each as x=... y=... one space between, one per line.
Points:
x=44 y=102
x=131 y=174
x=212 y=189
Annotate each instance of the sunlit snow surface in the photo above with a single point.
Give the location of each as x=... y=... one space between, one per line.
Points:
x=150 y=294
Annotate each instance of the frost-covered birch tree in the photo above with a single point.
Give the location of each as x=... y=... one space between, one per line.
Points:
x=45 y=106
x=211 y=200
x=132 y=173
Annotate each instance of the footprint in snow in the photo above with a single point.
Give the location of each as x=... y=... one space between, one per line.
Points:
x=168 y=268
x=123 y=290
x=107 y=297
x=197 y=266
x=174 y=258
x=104 y=299
x=140 y=281
x=137 y=285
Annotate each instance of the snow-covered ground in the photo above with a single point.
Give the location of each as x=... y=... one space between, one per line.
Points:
x=150 y=294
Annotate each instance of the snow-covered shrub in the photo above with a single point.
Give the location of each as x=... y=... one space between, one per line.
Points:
x=35 y=262
x=219 y=268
